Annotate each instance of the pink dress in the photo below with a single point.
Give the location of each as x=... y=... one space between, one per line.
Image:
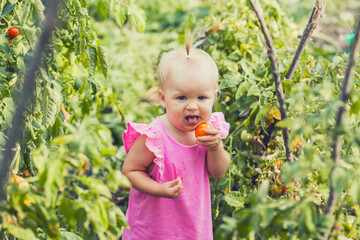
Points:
x=187 y=217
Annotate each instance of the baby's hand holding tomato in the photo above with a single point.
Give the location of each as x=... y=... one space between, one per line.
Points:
x=207 y=136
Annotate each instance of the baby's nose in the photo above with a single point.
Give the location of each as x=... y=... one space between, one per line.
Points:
x=192 y=106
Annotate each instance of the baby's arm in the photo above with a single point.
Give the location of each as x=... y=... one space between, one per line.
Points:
x=135 y=165
x=217 y=159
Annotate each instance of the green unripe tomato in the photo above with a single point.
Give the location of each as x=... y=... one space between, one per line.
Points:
x=245 y=136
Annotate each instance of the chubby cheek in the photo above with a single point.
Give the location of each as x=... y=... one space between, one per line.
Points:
x=176 y=117
x=206 y=111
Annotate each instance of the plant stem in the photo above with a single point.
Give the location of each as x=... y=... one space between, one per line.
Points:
x=27 y=92
x=314 y=20
x=276 y=76
x=335 y=154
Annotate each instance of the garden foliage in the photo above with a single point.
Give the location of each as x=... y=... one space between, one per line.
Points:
x=71 y=143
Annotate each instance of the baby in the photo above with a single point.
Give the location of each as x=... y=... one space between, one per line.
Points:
x=166 y=164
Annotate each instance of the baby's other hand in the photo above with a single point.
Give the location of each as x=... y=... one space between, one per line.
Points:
x=211 y=141
x=171 y=189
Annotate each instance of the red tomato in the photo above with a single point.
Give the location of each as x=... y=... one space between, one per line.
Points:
x=26 y=174
x=200 y=130
x=285 y=188
x=12 y=33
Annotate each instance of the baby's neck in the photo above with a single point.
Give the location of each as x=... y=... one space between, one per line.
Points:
x=183 y=137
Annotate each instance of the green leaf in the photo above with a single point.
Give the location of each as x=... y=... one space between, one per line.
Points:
x=335 y=62
x=120 y=14
x=94 y=85
x=263 y=190
x=25 y=13
x=51 y=100
x=69 y=236
x=92 y=60
x=37 y=12
x=21 y=65
x=67 y=208
x=96 y=186
x=286 y=123
x=9 y=109
x=4 y=46
x=326 y=222
x=103 y=59
x=102 y=6
x=99 y=215
x=7 y=9
x=120 y=217
x=242 y=89
x=254 y=90
x=339 y=178
x=309 y=223
x=231 y=79
x=20 y=232
x=246 y=67
x=137 y=16
x=235 y=199
x=262 y=112
x=115 y=179
x=355 y=108
x=354 y=191
x=78 y=83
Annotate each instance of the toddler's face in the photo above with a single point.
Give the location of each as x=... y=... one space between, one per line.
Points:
x=188 y=97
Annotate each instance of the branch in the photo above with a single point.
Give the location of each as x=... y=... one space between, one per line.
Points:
x=276 y=76
x=27 y=93
x=310 y=27
x=335 y=154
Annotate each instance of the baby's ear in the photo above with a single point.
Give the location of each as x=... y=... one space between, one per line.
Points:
x=217 y=92
x=162 y=98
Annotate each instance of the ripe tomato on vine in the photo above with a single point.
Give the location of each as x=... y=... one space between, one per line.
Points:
x=12 y=33
x=26 y=174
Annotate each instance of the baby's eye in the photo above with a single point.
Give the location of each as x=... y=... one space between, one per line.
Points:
x=202 y=98
x=181 y=97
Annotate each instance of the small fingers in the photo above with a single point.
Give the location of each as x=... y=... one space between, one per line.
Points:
x=175 y=188
x=174 y=182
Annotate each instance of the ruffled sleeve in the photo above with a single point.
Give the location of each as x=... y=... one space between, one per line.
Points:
x=153 y=141
x=217 y=120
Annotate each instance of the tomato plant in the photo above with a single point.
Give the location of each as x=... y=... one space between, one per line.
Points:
x=71 y=144
x=69 y=94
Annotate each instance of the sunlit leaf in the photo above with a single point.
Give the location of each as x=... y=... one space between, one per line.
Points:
x=102 y=6
x=103 y=60
x=120 y=14
x=234 y=199
x=137 y=16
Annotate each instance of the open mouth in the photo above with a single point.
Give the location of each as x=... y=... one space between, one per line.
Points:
x=191 y=120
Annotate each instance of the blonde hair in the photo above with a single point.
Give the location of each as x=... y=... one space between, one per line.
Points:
x=188 y=58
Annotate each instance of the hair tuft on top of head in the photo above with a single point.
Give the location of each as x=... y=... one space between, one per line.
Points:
x=188 y=41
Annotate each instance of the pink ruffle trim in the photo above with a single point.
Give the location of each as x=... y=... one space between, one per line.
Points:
x=153 y=142
x=217 y=120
